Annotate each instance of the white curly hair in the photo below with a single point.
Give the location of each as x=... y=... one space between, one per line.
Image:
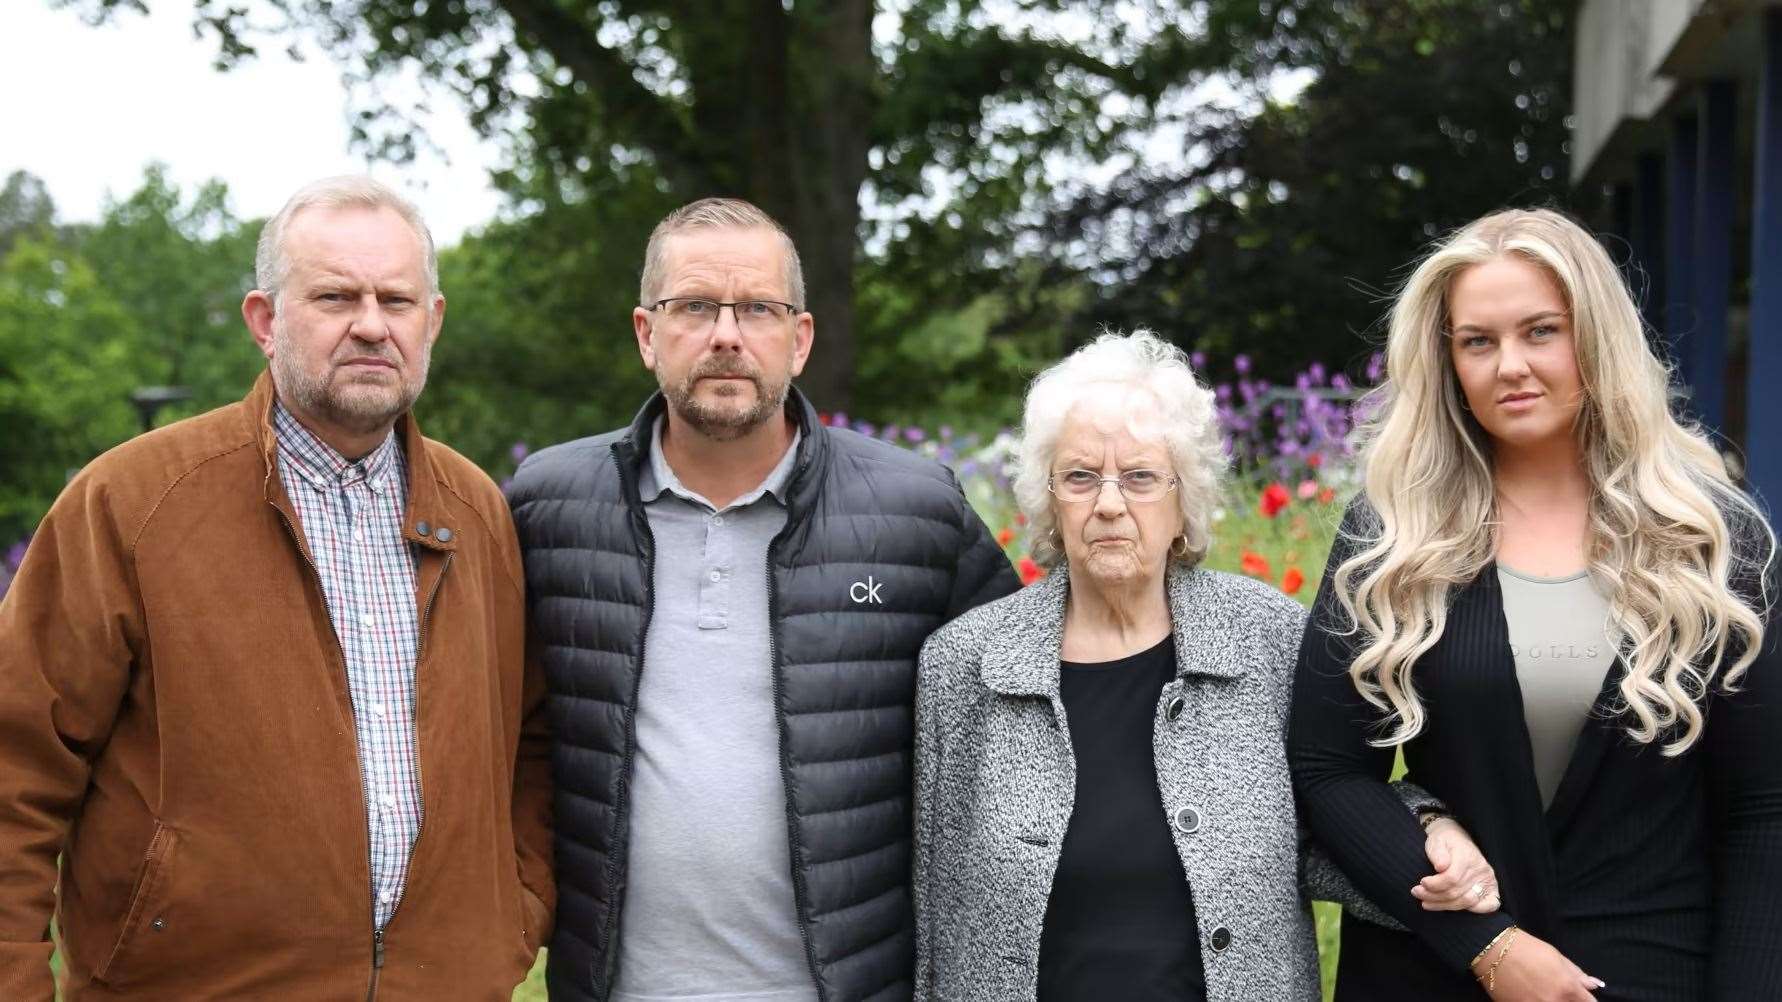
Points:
x=1164 y=402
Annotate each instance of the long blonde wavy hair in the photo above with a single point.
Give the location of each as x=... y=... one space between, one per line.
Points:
x=1682 y=552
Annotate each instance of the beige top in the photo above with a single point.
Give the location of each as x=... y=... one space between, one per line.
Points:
x=1559 y=635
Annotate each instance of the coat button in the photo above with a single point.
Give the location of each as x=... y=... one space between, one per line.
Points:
x=1187 y=821
x=158 y=924
x=423 y=529
x=444 y=535
x=1220 y=939
x=1175 y=708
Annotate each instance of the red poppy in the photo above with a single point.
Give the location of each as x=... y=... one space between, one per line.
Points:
x=1327 y=495
x=1292 y=580
x=1020 y=519
x=1005 y=537
x=1029 y=571
x=1255 y=565
x=1315 y=460
x=1274 y=498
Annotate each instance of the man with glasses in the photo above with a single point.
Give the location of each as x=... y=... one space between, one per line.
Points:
x=728 y=598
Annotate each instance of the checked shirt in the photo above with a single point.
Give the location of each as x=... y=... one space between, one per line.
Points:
x=352 y=515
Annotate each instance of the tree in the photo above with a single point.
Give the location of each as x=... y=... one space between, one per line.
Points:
x=1288 y=231
x=952 y=103
x=25 y=209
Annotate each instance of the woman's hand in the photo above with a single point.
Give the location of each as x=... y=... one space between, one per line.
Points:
x=1464 y=879
x=1533 y=971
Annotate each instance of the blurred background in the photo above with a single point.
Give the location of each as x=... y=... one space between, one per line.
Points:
x=976 y=186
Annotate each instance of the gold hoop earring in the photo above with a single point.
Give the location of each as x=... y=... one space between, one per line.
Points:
x=1182 y=551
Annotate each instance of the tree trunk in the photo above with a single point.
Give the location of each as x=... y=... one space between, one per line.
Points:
x=832 y=70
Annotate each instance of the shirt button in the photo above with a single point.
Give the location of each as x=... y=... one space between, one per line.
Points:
x=444 y=534
x=717 y=520
x=365 y=619
x=1220 y=939
x=377 y=709
x=385 y=897
x=388 y=800
x=716 y=576
x=1175 y=708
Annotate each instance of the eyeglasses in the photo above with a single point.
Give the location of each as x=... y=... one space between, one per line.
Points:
x=751 y=314
x=1134 y=485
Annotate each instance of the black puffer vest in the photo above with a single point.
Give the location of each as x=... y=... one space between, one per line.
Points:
x=879 y=549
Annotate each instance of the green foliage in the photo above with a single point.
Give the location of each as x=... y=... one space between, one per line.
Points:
x=148 y=296
x=65 y=357
x=537 y=345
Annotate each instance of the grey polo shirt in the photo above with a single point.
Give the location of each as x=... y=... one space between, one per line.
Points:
x=708 y=911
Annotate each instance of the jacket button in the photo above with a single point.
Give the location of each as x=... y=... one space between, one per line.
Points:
x=1175 y=708
x=158 y=924
x=444 y=535
x=1221 y=939
x=423 y=529
x=1187 y=821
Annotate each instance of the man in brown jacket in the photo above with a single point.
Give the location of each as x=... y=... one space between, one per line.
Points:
x=266 y=728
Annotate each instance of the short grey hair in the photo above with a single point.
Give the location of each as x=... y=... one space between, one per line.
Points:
x=1163 y=401
x=714 y=214
x=347 y=191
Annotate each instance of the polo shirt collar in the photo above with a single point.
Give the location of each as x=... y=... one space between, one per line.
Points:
x=657 y=477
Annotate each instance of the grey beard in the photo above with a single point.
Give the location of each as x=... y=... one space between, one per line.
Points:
x=356 y=412
x=721 y=423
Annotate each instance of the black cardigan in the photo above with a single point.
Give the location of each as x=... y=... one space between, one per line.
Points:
x=1661 y=876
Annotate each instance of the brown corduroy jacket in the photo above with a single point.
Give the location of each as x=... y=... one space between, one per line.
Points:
x=175 y=727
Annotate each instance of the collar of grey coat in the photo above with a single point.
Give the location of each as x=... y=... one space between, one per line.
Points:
x=1203 y=613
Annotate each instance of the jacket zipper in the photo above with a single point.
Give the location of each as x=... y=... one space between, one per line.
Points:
x=621 y=837
x=414 y=700
x=800 y=895
x=377 y=935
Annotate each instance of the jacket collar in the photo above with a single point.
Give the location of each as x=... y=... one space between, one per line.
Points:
x=1205 y=620
x=807 y=468
x=426 y=502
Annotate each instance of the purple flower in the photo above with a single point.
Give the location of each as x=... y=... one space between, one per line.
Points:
x=1198 y=360
x=839 y=419
x=1242 y=364
x=891 y=432
x=16 y=554
x=946 y=432
x=914 y=434
x=1316 y=372
x=1376 y=367
x=866 y=428
x=1222 y=392
x=1339 y=382
x=519 y=451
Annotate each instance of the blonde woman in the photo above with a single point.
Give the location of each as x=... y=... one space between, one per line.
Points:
x=1551 y=599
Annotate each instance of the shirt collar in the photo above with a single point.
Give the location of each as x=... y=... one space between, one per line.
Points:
x=323 y=467
x=658 y=477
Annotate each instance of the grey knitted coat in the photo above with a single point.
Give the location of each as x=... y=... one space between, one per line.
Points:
x=996 y=781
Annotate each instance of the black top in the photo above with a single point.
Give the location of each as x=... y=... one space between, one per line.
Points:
x=1659 y=875
x=1120 y=921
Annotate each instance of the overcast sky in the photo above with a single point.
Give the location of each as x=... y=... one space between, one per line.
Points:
x=86 y=108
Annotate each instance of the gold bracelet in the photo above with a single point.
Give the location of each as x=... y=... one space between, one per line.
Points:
x=1481 y=954
x=1428 y=818
x=1491 y=975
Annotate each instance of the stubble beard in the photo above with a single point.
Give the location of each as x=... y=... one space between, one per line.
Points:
x=361 y=408
x=725 y=420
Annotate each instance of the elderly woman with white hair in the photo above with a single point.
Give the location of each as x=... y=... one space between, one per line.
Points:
x=1103 y=806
